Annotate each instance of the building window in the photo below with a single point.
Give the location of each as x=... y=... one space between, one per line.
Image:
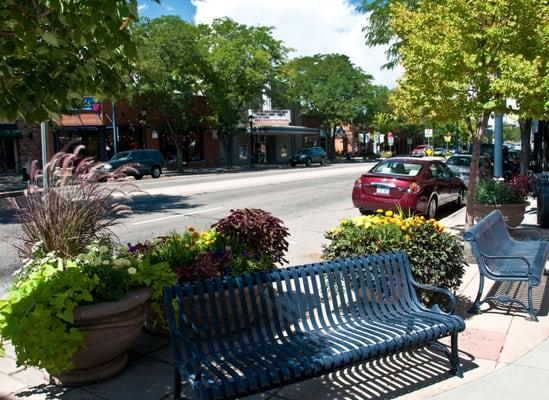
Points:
x=284 y=151
x=311 y=141
x=243 y=152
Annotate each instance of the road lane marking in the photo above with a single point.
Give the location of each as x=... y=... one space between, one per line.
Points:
x=176 y=216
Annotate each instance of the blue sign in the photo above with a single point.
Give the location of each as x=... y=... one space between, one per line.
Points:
x=87 y=103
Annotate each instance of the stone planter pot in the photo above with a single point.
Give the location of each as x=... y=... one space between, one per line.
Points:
x=512 y=213
x=109 y=328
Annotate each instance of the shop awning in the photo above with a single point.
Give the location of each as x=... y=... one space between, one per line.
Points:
x=9 y=131
x=80 y=120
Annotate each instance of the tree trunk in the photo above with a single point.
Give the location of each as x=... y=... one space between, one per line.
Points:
x=525 y=124
x=227 y=143
x=174 y=136
x=536 y=157
x=543 y=131
x=477 y=138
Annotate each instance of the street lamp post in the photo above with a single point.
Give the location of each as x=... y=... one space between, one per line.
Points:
x=251 y=120
x=143 y=121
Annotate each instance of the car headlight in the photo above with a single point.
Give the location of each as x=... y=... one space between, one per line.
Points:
x=107 y=166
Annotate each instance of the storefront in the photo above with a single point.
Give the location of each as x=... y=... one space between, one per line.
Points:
x=86 y=129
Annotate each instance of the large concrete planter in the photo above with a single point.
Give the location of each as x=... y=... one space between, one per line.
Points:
x=513 y=213
x=110 y=328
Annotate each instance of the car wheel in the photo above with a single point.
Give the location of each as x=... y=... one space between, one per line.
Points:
x=308 y=162
x=322 y=161
x=431 y=208
x=138 y=177
x=156 y=171
x=364 y=212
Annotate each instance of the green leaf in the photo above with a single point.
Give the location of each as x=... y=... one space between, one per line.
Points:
x=50 y=38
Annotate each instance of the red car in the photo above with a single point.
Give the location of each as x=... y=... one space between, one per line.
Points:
x=421 y=151
x=416 y=185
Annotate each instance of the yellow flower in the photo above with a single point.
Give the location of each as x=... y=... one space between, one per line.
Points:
x=407 y=237
x=335 y=230
x=379 y=211
x=389 y=213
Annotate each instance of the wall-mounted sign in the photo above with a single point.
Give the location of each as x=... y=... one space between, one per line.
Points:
x=87 y=103
x=154 y=134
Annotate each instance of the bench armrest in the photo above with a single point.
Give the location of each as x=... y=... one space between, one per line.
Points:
x=439 y=290
x=533 y=229
x=520 y=258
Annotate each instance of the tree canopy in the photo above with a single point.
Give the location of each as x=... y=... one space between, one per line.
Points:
x=464 y=58
x=242 y=63
x=166 y=75
x=54 y=52
x=330 y=88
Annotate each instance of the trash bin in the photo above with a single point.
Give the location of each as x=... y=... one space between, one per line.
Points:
x=542 y=193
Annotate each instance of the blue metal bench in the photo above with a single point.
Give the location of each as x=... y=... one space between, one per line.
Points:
x=503 y=259
x=307 y=321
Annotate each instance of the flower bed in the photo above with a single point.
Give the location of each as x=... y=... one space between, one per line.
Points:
x=436 y=256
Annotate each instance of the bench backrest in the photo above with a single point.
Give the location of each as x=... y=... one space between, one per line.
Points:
x=288 y=301
x=489 y=236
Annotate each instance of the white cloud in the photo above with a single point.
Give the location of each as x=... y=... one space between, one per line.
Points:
x=142 y=7
x=309 y=27
x=169 y=8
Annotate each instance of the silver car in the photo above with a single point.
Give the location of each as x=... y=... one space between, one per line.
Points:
x=460 y=164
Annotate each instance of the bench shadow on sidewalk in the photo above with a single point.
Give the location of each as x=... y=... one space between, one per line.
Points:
x=144 y=203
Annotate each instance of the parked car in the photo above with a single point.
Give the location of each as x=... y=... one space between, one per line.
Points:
x=421 y=150
x=415 y=185
x=461 y=166
x=308 y=155
x=145 y=162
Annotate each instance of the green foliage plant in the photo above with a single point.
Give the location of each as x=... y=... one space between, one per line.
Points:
x=38 y=314
x=436 y=256
x=494 y=192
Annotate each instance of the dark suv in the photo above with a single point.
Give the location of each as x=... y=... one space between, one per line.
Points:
x=145 y=162
x=308 y=156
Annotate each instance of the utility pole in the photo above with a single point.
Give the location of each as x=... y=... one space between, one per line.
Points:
x=114 y=128
x=498 y=145
x=44 y=142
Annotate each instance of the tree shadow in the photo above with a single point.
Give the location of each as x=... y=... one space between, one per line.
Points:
x=144 y=203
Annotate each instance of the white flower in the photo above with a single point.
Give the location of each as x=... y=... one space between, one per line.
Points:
x=60 y=264
x=119 y=262
x=132 y=271
x=103 y=249
x=106 y=262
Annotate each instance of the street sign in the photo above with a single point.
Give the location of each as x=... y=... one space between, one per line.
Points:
x=381 y=138
x=390 y=138
x=428 y=133
x=429 y=152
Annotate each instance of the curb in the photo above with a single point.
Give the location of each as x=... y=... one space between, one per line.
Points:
x=14 y=193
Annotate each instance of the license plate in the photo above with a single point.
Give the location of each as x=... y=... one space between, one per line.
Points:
x=382 y=190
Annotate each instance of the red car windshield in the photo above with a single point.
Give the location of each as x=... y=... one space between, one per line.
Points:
x=396 y=167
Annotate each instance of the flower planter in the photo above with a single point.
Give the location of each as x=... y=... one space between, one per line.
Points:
x=110 y=328
x=512 y=213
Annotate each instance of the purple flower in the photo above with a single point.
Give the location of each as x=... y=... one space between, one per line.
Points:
x=133 y=249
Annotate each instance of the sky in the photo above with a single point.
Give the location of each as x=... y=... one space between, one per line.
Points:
x=307 y=26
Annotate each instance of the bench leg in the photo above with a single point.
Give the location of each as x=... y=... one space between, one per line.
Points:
x=176 y=384
x=454 y=357
x=531 y=309
x=475 y=308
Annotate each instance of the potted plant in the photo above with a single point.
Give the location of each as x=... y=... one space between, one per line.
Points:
x=247 y=240
x=79 y=301
x=508 y=197
x=436 y=256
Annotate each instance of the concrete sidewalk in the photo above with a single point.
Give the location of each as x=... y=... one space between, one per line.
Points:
x=504 y=356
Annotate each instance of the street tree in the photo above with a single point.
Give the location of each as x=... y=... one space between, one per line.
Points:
x=241 y=65
x=462 y=59
x=330 y=88
x=378 y=31
x=54 y=52
x=166 y=77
